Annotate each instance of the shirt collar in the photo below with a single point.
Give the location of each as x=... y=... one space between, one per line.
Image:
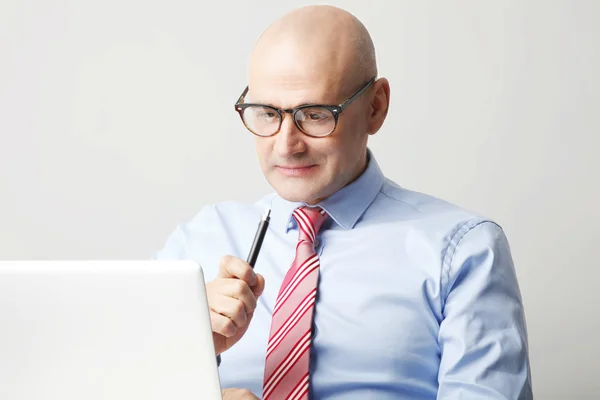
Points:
x=345 y=206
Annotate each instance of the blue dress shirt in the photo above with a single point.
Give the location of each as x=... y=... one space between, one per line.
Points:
x=417 y=298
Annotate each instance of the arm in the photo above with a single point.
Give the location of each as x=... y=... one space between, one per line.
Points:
x=233 y=293
x=483 y=336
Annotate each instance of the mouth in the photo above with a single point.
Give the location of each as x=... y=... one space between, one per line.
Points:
x=300 y=170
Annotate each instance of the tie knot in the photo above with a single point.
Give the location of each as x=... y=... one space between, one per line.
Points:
x=309 y=221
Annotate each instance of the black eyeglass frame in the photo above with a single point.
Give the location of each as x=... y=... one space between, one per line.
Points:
x=335 y=110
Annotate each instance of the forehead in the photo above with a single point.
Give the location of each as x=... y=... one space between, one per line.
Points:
x=288 y=91
x=287 y=75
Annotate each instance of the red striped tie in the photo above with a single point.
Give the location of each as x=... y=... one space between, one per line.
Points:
x=288 y=351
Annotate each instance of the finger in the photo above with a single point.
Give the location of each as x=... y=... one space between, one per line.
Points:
x=239 y=290
x=231 y=308
x=233 y=267
x=259 y=288
x=238 y=394
x=222 y=325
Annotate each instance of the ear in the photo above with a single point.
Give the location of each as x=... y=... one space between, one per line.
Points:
x=379 y=107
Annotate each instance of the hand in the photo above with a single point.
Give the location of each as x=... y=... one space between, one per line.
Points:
x=232 y=298
x=238 y=394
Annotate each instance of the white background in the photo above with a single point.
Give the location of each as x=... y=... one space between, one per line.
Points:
x=117 y=123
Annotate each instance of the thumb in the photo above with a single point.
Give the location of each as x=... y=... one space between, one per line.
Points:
x=260 y=285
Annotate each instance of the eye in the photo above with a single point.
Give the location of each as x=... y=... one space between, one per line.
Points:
x=264 y=114
x=316 y=116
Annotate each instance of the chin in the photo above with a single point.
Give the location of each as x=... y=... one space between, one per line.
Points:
x=294 y=196
x=295 y=190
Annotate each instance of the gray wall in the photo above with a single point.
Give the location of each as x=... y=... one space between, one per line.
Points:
x=117 y=123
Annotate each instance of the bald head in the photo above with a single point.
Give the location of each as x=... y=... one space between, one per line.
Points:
x=312 y=41
x=312 y=57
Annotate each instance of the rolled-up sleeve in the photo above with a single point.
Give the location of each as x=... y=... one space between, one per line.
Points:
x=483 y=336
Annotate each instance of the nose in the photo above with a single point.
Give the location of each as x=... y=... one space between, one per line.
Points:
x=289 y=141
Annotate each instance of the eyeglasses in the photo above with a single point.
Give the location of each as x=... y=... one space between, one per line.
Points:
x=316 y=120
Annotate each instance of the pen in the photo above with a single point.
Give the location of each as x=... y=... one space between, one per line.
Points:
x=258 y=238
x=255 y=249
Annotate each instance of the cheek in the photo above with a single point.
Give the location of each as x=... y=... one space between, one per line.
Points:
x=336 y=153
x=263 y=147
x=345 y=146
x=344 y=153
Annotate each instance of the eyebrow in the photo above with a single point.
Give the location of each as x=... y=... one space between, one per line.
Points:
x=296 y=106
x=248 y=99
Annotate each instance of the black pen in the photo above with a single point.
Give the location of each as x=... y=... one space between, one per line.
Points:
x=255 y=249
x=258 y=238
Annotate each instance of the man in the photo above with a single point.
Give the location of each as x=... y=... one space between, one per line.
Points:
x=363 y=289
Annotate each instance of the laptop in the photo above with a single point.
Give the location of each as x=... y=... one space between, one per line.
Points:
x=118 y=330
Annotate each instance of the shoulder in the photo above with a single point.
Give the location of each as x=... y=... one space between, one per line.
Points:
x=440 y=220
x=458 y=233
x=215 y=225
x=220 y=216
x=405 y=204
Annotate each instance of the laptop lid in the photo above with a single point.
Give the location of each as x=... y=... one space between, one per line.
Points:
x=72 y=330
